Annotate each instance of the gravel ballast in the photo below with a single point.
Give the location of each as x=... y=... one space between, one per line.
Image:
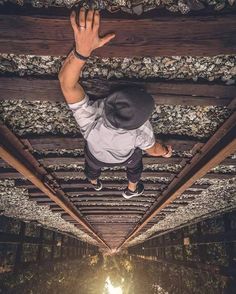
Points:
x=135 y=6
x=15 y=203
x=217 y=198
x=37 y=117
x=176 y=67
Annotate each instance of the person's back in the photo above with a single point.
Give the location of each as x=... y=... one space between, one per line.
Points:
x=116 y=129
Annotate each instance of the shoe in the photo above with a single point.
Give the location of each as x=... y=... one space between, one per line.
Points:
x=98 y=186
x=127 y=194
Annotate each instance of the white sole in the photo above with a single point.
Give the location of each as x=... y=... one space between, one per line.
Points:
x=98 y=189
x=131 y=196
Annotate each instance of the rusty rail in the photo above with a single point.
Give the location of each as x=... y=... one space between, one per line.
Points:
x=12 y=151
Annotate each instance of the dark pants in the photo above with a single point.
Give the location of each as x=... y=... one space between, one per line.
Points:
x=134 y=166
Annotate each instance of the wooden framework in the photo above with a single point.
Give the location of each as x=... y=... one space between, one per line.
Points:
x=60 y=245
x=170 y=248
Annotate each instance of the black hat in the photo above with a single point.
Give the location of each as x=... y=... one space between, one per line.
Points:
x=129 y=109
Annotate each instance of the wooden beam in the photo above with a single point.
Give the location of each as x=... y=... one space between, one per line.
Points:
x=172 y=93
x=47 y=161
x=112 y=174
x=79 y=160
x=109 y=201
x=72 y=185
x=61 y=174
x=156 y=36
x=98 y=208
x=92 y=192
x=52 y=142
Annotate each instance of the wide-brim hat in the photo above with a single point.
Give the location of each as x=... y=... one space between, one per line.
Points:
x=129 y=108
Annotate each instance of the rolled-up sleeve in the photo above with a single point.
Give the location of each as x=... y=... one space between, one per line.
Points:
x=86 y=112
x=145 y=136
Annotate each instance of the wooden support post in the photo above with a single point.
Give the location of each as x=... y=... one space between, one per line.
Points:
x=53 y=245
x=229 y=245
x=172 y=246
x=201 y=247
x=19 y=249
x=163 y=248
x=183 y=245
x=40 y=246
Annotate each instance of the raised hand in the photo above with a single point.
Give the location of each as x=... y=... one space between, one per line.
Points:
x=86 y=31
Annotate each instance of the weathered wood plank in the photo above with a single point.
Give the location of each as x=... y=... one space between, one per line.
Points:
x=111 y=208
x=76 y=174
x=83 y=200
x=111 y=213
x=73 y=185
x=162 y=36
x=112 y=174
x=220 y=176
x=51 y=142
x=172 y=93
x=12 y=174
x=91 y=192
x=80 y=160
x=48 y=161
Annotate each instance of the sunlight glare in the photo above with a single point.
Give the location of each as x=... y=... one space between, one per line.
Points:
x=111 y=289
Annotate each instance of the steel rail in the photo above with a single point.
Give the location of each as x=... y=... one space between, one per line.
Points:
x=27 y=170
x=217 y=148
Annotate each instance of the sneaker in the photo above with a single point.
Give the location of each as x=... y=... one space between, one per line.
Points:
x=98 y=186
x=127 y=194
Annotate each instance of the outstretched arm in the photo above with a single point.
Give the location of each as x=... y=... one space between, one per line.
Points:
x=86 y=34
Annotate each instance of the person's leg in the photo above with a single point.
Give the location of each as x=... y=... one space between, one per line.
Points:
x=134 y=170
x=91 y=171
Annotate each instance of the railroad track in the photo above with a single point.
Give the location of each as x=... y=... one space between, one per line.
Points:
x=105 y=215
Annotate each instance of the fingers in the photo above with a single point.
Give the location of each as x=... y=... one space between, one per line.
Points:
x=169 y=154
x=82 y=17
x=96 y=21
x=106 y=39
x=89 y=19
x=73 y=21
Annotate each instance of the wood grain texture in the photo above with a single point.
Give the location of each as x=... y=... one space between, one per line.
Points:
x=156 y=36
x=171 y=93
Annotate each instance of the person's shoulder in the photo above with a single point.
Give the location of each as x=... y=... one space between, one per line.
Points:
x=146 y=125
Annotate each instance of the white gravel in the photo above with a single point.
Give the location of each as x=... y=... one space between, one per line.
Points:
x=217 y=198
x=176 y=67
x=14 y=202
x=37 y=117
x=133 y=6
x=78 y=167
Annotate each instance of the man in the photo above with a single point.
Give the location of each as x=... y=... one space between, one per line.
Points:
x=116 y=129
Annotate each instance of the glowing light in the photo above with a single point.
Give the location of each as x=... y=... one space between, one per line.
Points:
x=111 y=289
